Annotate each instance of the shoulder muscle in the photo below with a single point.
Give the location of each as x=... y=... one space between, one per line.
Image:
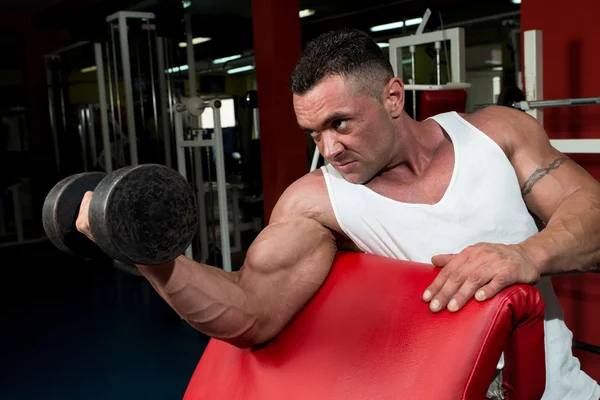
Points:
x=513 y=130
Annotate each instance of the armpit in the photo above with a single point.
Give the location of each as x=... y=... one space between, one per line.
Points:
x=344 y=243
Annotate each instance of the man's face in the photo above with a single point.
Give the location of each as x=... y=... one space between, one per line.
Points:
x=352 y=130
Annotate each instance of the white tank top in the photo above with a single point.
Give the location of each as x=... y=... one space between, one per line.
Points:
x=483 y=203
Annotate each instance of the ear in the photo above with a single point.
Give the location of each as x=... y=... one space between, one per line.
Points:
x=393 y=97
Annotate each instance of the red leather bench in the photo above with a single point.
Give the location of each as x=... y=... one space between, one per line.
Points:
x=368 y=335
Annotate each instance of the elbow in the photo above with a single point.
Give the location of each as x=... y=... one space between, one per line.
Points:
x=242 y=330
x=260 y=333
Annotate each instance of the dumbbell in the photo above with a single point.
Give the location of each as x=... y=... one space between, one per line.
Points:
x=143 y=214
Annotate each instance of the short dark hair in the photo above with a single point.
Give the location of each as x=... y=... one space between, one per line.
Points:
x=345 y=52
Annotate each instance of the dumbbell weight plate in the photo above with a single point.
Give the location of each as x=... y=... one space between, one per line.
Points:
x=144 y=214
x=60 y=211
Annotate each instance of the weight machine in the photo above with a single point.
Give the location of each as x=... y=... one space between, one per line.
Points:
x=121 y=71
x=194 y=141
x=455 y=61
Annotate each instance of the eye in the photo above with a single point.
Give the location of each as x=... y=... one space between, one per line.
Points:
x=313 y=134
x=340 y=124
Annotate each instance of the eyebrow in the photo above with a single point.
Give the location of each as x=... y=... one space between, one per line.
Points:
x=328 y=120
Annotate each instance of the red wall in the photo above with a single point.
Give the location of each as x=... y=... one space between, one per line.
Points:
x=277 y=47
x=571 y=65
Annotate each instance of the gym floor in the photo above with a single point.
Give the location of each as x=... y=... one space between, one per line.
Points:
x=80 y=329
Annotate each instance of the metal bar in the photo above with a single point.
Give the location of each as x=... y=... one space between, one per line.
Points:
x=162 y=89
x=221 y=188
x=181 y=163
x=141 y=87
x=153 y=86
x=456 y=37
x=395 y=54
x=89 y=113
x=534 y=71
x=130 y=14
x=82 y=138
x=171 y=97
x=103 y=107
x=237 y=234
x=256 y=123
x=445 y=86
x=190 y=56
x=52 y=111
x=586 y=347
x=124 y=41
x=457 y=55
x=62 y=102
x=577 y=146
x=201 y=203
x=528 y=105
x=116 y=72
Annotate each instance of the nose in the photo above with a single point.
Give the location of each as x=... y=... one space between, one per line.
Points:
x=330 y=146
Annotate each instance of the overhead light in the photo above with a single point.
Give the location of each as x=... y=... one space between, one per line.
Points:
x=383 y=45
x=88 y=69
x=396 y=25
x=413 y=21
x=493 y=62
x=225 y=59
x=384 y=27
x=306 y=12
x=177 y=69
x=196 y=40
x=186 y=3
x=516 y=1
x=240 y=69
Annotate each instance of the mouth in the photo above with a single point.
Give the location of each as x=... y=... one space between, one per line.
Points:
x=344 y=166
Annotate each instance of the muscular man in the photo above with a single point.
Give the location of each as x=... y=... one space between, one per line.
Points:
x=458 y=191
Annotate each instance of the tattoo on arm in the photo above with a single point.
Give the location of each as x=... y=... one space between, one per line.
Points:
x=539 y=174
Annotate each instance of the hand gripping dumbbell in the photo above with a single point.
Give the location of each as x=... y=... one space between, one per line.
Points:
x=144 y=214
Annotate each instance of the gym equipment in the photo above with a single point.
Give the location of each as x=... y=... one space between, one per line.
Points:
x=539 y=104
x=143 y=214
x=135 y=56
x=448 y=98
x=366 y=334
x=195 y=140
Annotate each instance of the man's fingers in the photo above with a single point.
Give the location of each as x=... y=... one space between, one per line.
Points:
x=472 y=284
x=441 y=260
x=82 y=223
x=449 y=262
x=499 y=282
x=447 y=283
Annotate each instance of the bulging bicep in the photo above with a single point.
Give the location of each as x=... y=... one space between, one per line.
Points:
x=284 y=267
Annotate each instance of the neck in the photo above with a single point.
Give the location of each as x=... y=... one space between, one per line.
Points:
x=417 y=144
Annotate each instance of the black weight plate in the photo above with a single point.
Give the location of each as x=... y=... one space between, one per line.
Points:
x=60 y=211
x=144 y=214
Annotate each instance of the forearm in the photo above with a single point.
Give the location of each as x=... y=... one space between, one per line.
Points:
x=209 y=299
x=570 y=242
